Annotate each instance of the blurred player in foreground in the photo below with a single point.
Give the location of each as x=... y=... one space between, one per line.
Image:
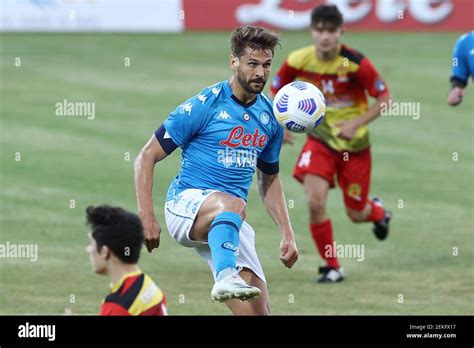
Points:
x=226 y=132
x=340 y=145
x=463 y=67
x=115 y=241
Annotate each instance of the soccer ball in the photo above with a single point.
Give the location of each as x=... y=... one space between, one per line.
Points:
x=299 y=106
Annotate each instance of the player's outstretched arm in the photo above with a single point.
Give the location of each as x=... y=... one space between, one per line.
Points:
x=151 y=153
x=460 y=71
x=273 y=197
x=349 y=128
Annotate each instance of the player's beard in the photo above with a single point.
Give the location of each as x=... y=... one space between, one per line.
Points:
x=246 y=84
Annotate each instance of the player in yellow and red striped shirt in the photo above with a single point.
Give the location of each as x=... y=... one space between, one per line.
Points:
x=115 y=241
x=339 y=147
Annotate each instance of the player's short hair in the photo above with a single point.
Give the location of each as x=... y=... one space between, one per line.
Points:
x=327 y=14
x=257 y=38
x=118 y=229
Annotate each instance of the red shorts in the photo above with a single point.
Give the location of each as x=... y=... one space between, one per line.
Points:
x=352 y=170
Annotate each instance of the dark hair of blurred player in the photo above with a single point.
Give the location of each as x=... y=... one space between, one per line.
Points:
x=326 y=30
x=115 y=231
x=115 y=241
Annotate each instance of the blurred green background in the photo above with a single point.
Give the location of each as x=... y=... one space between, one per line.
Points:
x=73 y=158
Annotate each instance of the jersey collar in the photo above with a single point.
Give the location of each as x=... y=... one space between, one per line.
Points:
x=118 y=284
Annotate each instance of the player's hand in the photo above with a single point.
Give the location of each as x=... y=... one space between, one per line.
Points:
x=347 y=130
x=289 y=252
x=455 y=96
x=288 y=137
x=152 y=231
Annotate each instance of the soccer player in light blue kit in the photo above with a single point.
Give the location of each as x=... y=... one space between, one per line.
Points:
x=463 y=67
x=226 y=132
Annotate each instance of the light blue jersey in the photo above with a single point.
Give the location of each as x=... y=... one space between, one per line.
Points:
x=222 y=141
x=463 y=60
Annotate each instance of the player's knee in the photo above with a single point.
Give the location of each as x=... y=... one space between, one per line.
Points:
x=354 y=215
x=235 y=205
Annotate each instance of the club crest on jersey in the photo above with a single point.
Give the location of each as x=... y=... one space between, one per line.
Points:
x=379 y=85
x=355 y=191
x=237 y=138
x=246 y=117
x=264 y=118
x=342 y=72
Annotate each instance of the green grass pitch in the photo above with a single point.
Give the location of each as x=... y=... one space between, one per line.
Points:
x=73 y=158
